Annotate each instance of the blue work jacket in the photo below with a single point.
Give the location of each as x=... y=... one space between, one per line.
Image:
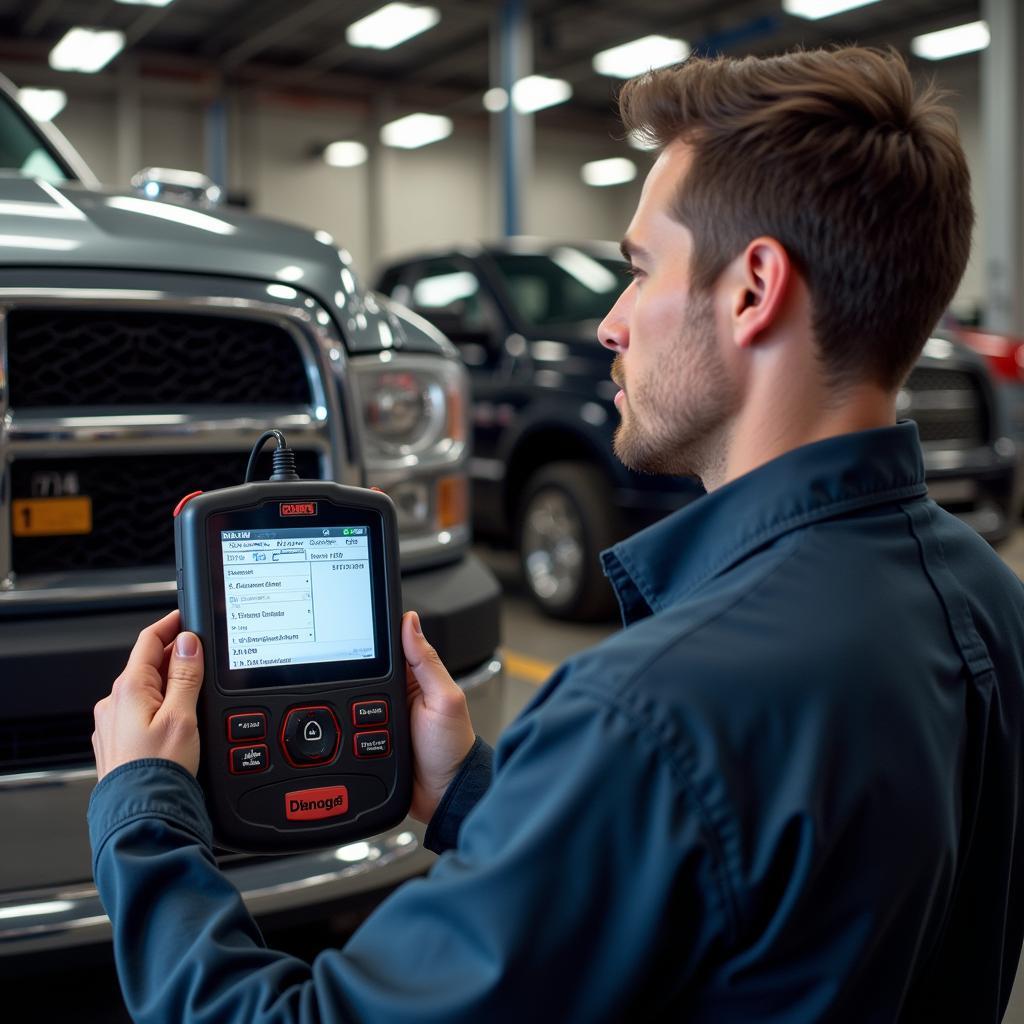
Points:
x=789 y=790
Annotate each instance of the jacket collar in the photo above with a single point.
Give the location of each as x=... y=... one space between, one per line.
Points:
x=668 y=561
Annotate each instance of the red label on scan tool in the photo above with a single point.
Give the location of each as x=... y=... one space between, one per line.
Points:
x=298 y=508
x=313 y=804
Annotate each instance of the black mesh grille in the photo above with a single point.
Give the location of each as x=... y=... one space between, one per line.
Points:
x=963 y=422
x=78 y=358
x=132 y=500
x=49 y=742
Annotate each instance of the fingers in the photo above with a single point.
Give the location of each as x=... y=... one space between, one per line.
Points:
x=184 y=676
x=433 y=678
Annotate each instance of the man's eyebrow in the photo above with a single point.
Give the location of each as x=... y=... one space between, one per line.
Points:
x=630 y=250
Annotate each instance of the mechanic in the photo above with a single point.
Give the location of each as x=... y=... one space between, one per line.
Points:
x=791 y=787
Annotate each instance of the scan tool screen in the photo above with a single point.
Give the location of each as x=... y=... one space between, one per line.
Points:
x=297 y=596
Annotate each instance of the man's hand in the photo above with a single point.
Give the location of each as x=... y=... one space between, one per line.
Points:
x=442 y=733
x=151 y=710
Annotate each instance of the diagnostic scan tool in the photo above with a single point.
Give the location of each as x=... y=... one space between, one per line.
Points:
x=293 y=587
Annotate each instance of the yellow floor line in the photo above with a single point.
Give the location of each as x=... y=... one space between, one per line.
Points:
x=524 y=667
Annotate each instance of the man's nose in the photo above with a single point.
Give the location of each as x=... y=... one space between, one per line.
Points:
x=613 y=331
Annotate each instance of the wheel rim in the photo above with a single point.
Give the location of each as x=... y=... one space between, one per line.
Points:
x=552 y=547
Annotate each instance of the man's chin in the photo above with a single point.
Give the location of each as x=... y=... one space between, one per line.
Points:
x=642 y=456
x=634 y=454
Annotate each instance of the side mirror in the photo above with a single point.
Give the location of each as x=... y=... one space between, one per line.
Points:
x=175 y=186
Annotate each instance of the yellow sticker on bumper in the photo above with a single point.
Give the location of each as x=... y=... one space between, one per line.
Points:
x=51 y=517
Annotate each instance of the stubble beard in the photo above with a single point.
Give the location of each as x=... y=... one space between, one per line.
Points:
x=687 y=405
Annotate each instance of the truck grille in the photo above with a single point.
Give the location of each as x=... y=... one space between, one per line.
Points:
x=132 y=499
x=948 y=406
x=60 y=357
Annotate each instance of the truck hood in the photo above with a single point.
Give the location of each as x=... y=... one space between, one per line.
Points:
x=75 y=226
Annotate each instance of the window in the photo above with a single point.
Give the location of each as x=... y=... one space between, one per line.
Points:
x=23 y=151
x=564 y=286
x=449 y=292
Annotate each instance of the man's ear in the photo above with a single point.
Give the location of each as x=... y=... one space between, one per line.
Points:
x=760 y=285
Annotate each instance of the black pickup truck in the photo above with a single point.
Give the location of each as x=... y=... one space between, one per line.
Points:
x=524 y=315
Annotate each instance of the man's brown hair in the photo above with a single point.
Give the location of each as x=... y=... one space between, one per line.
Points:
x=833 y=154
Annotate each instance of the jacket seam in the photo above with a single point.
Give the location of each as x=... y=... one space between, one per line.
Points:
x=681 y=768
x=681 y=773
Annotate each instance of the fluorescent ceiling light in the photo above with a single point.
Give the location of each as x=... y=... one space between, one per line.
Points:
x=145 y=3
x=614 y=171
x=416 y=130
x=177 y=214
x=951 y=42
x=535 y=92
x=815 y=9
x=639 y=56
x=495 y=100
x=43 y=104
x=86 y=49
x=391 y=25
x=345 y=154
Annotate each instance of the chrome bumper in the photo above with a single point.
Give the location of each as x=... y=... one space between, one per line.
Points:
x=72 y=915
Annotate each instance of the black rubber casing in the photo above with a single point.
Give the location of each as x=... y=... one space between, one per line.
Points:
x=248 y=810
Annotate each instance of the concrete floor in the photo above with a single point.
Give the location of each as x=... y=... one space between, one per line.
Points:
x=534 y=645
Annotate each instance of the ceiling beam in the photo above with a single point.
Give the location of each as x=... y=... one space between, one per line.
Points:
x=39 y=14
x=144 y=24
x=273 y=33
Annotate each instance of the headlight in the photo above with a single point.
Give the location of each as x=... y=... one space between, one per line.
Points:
x=413 y=411
x=411 y=406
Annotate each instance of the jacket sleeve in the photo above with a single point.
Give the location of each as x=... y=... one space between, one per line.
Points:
x=585 y=887
x=461 y=796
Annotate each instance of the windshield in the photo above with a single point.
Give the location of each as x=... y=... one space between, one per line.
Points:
x=563 y=286
x=23 y=151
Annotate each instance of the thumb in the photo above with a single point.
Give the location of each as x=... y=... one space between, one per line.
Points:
x=184 y=674
x=426 y=666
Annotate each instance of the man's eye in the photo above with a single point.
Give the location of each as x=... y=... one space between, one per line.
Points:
x=631 y=271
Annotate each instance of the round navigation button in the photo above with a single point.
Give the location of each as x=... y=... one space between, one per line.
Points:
x=310 y=736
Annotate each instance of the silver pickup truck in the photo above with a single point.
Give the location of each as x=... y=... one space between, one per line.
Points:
x=144 y=345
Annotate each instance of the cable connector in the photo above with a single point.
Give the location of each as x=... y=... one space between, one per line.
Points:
x=284 y=464
x=283 y=459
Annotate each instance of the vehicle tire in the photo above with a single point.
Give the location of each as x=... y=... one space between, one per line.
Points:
x=566 y=516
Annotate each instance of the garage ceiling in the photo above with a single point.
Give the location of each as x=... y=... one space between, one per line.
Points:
x=299 y=47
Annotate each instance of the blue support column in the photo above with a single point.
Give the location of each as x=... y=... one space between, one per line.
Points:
x=512 y=59
x=1002 y=108
x=215 y=132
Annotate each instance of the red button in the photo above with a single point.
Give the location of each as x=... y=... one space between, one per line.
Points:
x=313 y=804
x=184 y=501
x=247 y=726
x=249 y=759
x=369 y=712
x=372 y=744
